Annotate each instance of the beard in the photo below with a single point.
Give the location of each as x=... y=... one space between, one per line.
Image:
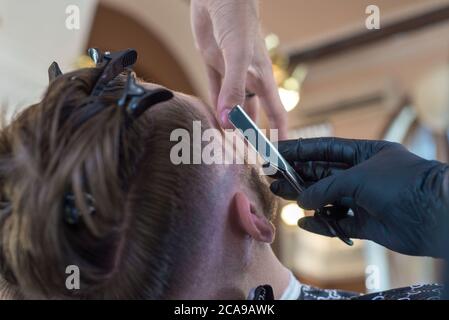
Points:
x=259 y=185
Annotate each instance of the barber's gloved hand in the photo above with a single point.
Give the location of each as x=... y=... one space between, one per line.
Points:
x=399 y=200
x=228 y=37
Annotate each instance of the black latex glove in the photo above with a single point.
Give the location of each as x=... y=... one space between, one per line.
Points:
x=399 y=200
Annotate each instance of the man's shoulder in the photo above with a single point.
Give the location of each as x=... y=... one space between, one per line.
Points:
x=416 y=292
x=313 y=293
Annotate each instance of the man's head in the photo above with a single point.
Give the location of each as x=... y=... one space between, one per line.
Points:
x=159 y=230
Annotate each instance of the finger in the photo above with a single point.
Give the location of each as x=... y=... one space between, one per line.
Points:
x=283 y=189
x=321 y=149
x=251 y=107
x=312 y=171
x=236 y=62
x=328 y=191
x=261 y=80
x=350 y=226
x=271 y=103
x=314 y=225
x=208 y=48
x=276 y=114
x=232 y=91
x=317 y=170
x=214 y=84
x=272 y=172
x=235 y=24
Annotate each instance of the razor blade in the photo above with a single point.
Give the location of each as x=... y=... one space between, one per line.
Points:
x=328 y=215
x=263 y=146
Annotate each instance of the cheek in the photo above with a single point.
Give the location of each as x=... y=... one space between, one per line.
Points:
x=239 y=151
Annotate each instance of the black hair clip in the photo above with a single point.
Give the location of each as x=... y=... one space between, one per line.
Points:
x=135 y=100
x=113 y=64
x=138 y=99
x=54 y=71
x=71 y=212
x=264 y=292
x=95 y=55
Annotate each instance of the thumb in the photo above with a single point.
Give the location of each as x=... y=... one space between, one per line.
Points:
x=326 y=191
x=314 y=225
x=235 y=25
x=232 y=91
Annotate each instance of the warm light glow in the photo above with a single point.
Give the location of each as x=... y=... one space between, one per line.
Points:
x=279 y=74
x=291 y=84
x=84 y=61
x=291 y=213
x=271 y=41
x=289 y=98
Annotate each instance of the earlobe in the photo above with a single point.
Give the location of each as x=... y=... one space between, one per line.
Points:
x=253 y=223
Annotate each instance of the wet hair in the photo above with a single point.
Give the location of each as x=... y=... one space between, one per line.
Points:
x=141 y=234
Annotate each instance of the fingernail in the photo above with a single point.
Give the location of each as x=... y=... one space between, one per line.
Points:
x=301 y=223
x=274 y=187
x=224 y=117
x=299 y=201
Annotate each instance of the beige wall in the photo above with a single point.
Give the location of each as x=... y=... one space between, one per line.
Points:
x=32 y=35
x=389 y=69
x=304 y=23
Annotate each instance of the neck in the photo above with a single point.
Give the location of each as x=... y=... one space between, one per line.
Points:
x=268 y=270
x=216 y=282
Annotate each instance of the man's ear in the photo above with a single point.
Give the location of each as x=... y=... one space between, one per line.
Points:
x=253 y=223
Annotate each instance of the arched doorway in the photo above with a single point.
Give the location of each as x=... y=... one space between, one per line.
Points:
x=114 y=30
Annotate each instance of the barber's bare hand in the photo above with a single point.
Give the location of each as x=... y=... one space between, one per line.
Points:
x=228 y=37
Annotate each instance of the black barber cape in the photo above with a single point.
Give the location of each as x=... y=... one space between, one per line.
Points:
x=417 y=292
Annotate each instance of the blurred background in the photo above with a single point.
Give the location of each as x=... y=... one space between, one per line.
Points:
x=335 y=77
